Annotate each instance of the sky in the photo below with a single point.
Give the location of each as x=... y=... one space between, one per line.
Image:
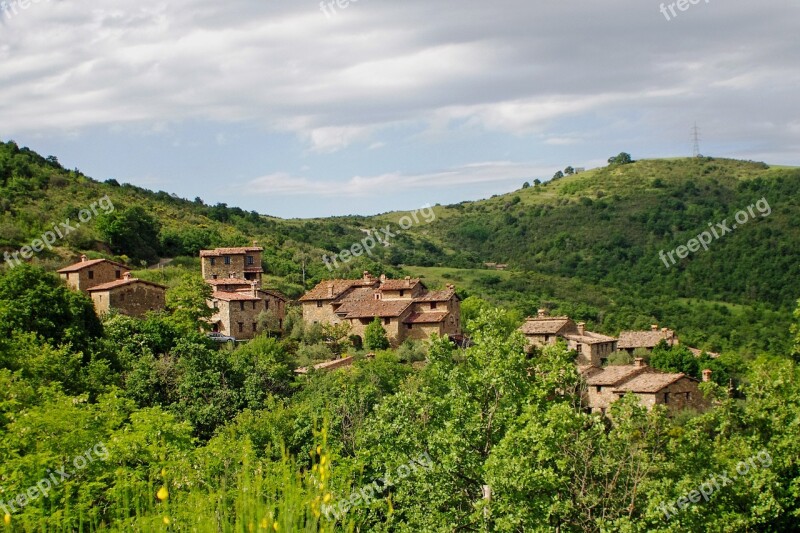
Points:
x=299 y=109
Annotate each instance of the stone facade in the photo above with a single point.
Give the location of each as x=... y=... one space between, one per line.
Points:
x=241 y=263
x=406 y=308
x=129 y=296
x=544 y=330
x=87 y=273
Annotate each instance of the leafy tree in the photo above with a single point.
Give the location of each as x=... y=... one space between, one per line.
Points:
x=188 y=303
x=558 y=175
x=569 y=171
x=526 y=185
x=375 y=336
x=132 y=231
x=622 y=159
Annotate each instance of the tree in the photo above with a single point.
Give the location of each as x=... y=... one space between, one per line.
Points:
x=623 y=158
x=526 y=185
x=796 y=334
x=537 y=181
x=569 y=171
x=558 y=175
x=375 y=336
x=188 y=303
x=132 y=231
x=269 y=323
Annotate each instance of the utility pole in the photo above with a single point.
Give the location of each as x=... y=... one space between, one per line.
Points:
x=695 y=141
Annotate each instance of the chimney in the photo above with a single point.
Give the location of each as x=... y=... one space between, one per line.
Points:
x=84 y=258
x=542 y=313
x=639 y=363
x=383 y=278
x=127 y=275
x=707 y=375
x=654 y=327
x=581 y=328
x=330 y=289
x=367 y=277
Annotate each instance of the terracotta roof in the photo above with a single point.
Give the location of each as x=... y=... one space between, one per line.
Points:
x=613 y=375
x=650 y=382
x=121 y=283
x=588 y=371
x=359 y=293
x=437 y=296
x=230 y=281
x=426 y=318
x=230 y=251
x=340 y=286
x=235 y=296
x=399 y=284
x=643 y=339
x=276 y=293
x=374 y=308
x=77 y=267
x=589 y=337
x=546 y=326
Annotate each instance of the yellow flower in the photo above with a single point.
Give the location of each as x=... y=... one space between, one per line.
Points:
x=264 y=524
x=322 y=460
x=163 y=472
x=163 y=493
x=327 y=498
x=314 y=468
x=7 y=519
x=275 y=526
x=319 y=449
x=166 y=520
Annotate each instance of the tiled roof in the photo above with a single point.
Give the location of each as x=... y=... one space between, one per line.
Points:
x=437 y=296
x=77 y=267
x=359 y=293
x=340 y=286
x=650 y=382
x=230 y=281
x=426 y=318
x=374 y=308
x=613 y=375
x=399 y=284
x=121 y=283
x=588 y=371
x=275 y=293
x=545 y=326
x=643 y=339
x=230 y=251
x=589 y=337
x=235 y=296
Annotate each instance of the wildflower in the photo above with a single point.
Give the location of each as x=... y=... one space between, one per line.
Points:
x=166 y=521
x=7 y=519
x=264 y=524
x=327 y=498
x=163 y=493
x=322 y=460
x=275 y=526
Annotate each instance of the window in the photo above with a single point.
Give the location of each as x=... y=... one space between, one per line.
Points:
x=579 y=348
x=402 y=293
x=227 y=260
x=319 y=303
x=266 y=305
x=409 y=326
x=433 y=305
x=599 y=388
x=254 y=305
x=250 y=260
x=666 y=397
x=118 y=274
x=255 y=326
x=241 y=327
x=91 y=274
x=122 y=297
x=213 y=261
x=241 y=306
x=387 y=320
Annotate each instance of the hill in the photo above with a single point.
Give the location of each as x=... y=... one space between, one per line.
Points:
x=586 y=244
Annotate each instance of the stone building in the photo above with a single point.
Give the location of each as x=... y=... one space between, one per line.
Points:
x=647 y=340
x=406 y=308
x=130 y=296
x=544 y=330
x=87 y=273
x=235 y=274
x=239 y=263
x=652 y=387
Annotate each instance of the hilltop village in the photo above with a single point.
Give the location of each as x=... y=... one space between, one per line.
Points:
x=405 y=308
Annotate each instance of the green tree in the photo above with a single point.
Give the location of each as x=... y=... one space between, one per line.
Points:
x=188 y=303
x=558 y=175
x=375 y=336
x=133 y=232
x=623 y=158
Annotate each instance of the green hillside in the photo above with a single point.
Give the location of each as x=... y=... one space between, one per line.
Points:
x=586 y=244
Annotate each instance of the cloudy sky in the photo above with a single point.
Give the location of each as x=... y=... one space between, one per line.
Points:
x=285 y=108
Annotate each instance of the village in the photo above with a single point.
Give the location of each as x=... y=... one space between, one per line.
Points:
x=406 y=309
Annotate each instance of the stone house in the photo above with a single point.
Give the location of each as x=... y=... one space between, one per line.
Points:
x=130 y=296
x=87 y=273
x=647 y=340
x=544 y=330
x=406 y=308
x=239 y=263
x=651 y=386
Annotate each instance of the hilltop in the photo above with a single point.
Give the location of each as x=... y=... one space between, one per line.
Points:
x=585 y=244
